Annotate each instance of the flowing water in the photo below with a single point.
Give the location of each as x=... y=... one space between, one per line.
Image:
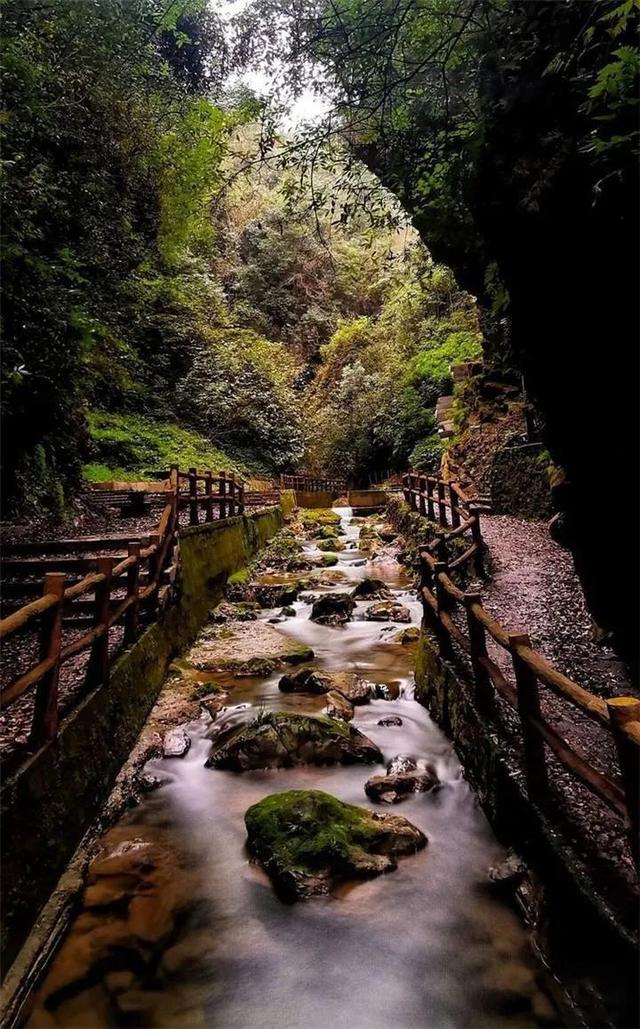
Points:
x=427 y=946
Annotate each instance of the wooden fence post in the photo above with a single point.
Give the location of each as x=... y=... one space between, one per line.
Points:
x=478 y=640
x=133 y=584
x=455 y=501
x=208 y=487
x=422 y=485
x=241 y=497
x=623 y=710
x=442 y=510
x=44 y=726
x=155 y=572
x=476 y=535
x=529 y=706
x=232 y=495
x=431 y=512
x=98 y=667
x=174 y=480
x=442 y=599
x=222 y=490
x=193 y=497
x=406 y=489
x=441 y=548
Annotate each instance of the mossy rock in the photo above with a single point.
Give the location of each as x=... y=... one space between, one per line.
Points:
x=328 y=560
x=329 y=532
x=308 y=840
x=371 y=589
x=285 y=739
x=311 y=518
x=331 y=543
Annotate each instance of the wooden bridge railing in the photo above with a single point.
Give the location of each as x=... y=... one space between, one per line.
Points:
x=441 y=598
x=313 y=483
x=122 y=591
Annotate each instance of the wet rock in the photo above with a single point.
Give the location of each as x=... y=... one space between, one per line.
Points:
x=354 y=688
x=390 y=720
x=409 y=635
x=333 y=609
x=176 y=743
x=147 y=782
x=328 y=560
x=371 y=589
x=276 y=620
x=288 y=612
x=250 y=649
x=307 y=680
x=401 y=764
x=308 y=840
x=338 y=706
x=332 y=544
x=242 y=611
x=387 y=533
x=275 y=595
x=392 y=788
x=387 y=611
x=285 y=739
x=215 y=704
x=386 y=690
x=507 y=876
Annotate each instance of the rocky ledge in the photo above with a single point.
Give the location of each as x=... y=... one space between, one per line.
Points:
x=285 y=739
x=308 y=840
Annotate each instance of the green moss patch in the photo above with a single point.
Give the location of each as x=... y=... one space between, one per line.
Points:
x=307 y=840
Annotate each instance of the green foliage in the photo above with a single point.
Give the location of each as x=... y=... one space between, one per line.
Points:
x=134 y=447
x=427 y=454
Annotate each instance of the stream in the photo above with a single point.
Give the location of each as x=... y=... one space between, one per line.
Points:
x=425 y=947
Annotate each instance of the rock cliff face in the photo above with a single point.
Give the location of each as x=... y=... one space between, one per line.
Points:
x=560 y=231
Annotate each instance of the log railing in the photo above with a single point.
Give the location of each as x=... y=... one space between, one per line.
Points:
x=207 y=496
x=619 y=717
x=313 y=483
x=446 y=504
x=122 y=591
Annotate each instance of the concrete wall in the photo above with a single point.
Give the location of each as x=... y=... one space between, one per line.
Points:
x=366 y=501
x=313 y=498
x=52 y=799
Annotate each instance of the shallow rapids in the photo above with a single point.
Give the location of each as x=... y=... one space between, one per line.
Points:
x=426 y=947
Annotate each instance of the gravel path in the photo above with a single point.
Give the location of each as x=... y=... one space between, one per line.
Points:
x=534 y=589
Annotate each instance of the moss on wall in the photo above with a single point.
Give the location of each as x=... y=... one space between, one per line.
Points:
x=52 y=799
x=287 y=503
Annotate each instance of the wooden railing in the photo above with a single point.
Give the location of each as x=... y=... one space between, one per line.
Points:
x=313 y=483
x=122 y=590
x=209 y=496
x=448 y=505
x=441 y=598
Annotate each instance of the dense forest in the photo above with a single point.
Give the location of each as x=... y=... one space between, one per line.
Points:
x=152 y=263
x=185 y=278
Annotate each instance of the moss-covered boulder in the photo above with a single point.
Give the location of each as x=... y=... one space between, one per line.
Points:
x=371 y=589
x=285 y=739
x=333 y=609
x=308 y=840
x=331 y=543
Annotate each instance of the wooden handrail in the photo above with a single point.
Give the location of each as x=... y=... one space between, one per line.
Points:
x=619 y=717
x=47 y=610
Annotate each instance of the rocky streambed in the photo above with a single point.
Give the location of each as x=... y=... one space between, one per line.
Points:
x=307 y=772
